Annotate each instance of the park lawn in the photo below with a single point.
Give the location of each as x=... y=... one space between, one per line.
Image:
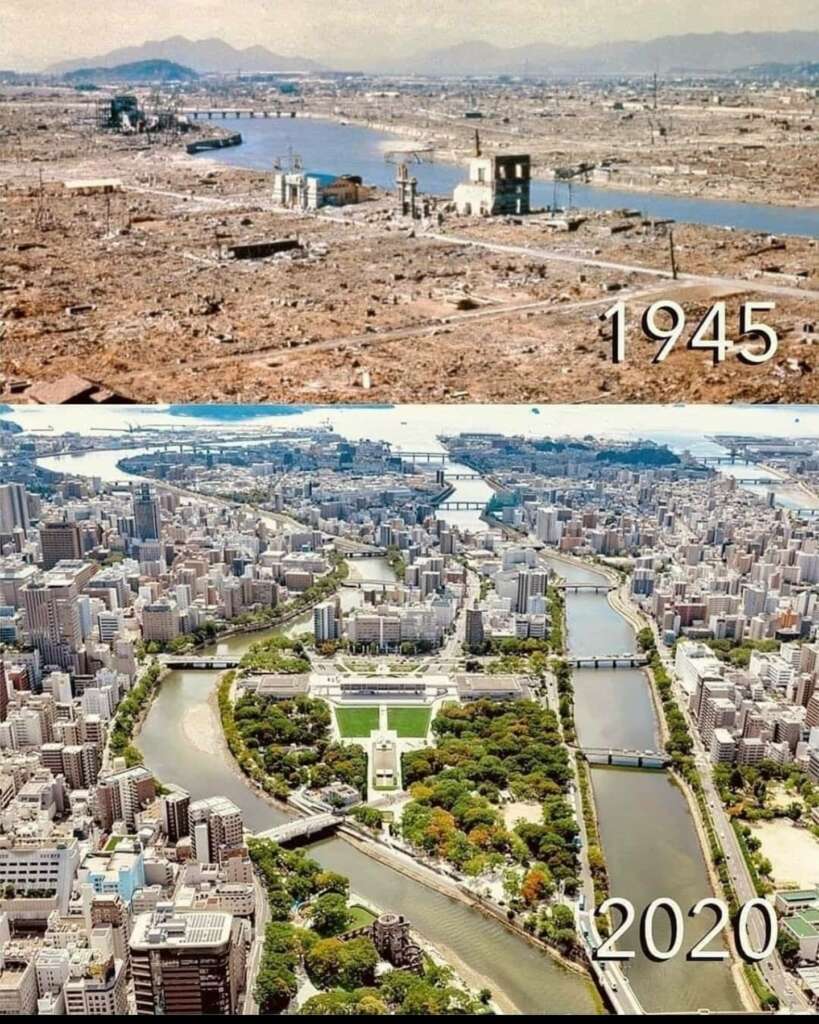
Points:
x=361 y=917
x=409 y=722
x=356 y=721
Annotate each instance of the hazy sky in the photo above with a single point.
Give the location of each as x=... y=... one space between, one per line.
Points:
x=35 y=33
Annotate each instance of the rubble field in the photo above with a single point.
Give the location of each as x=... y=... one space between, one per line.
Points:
x=141 y=290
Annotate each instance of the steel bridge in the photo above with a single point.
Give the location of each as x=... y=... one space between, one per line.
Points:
x=215 y=113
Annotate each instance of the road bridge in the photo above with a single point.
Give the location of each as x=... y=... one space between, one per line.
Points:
x=441 y=457
x=223 y=113
x=369 y=584
x=461 y=506
x=609 y=661
x=205 y=662
x=625 y=758
x=585 y=588
x=302 y=829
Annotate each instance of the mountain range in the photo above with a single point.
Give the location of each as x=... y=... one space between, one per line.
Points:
x=718 y=52
x=704 y=52
x=202 y=55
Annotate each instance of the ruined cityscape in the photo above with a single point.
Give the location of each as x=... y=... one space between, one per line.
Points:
x=174 y=234
x=292 y=721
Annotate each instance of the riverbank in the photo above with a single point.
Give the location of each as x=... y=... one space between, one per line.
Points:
x=403 y=864
x=376 y=849
x=457 y=157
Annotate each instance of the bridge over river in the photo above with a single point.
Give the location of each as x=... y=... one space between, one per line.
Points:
x=625 y=758
x=204 y=661
x=302 y=829
x=585 y=588
x=609 y=661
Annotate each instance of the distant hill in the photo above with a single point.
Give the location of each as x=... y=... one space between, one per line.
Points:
x=138 y=71
x=201 y=55
x=713 y=52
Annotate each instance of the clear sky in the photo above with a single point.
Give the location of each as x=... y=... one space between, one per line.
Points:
x=35 y=33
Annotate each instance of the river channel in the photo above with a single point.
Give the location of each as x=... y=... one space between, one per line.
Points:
x=646 y=828
x=333 y=148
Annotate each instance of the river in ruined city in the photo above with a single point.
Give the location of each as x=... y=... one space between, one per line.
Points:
x=331 y=147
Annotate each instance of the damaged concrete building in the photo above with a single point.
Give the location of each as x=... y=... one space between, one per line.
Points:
x=497 y=185
x=299 y=190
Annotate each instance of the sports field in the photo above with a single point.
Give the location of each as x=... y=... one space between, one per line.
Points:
x=357 y=722
x=409 y=723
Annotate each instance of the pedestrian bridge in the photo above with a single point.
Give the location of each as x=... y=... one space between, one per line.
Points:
x=625 y=758
x=191 y=661
x=301 y=829
x=609 y=661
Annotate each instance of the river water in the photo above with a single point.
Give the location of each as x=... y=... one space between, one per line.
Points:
x=646 y=828
x=333 y=148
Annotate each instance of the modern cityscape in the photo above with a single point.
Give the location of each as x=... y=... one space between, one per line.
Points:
x=297 y=722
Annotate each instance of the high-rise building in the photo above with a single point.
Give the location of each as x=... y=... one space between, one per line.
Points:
x=4 y=693
x=175 y=813
x=107 y=910
x=325 y=621
x=216 y=825
x=58 y=542
x=13 y=508
x=188 y=962
x=474 y=634
x=121 y=795
x=53 y=614
x=147 y=520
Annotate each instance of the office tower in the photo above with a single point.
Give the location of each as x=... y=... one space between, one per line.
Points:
x=109 y=911
x=59 y=542
x=187 y=962
x=13 y=508
x=474 y=635
x=147 y=518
